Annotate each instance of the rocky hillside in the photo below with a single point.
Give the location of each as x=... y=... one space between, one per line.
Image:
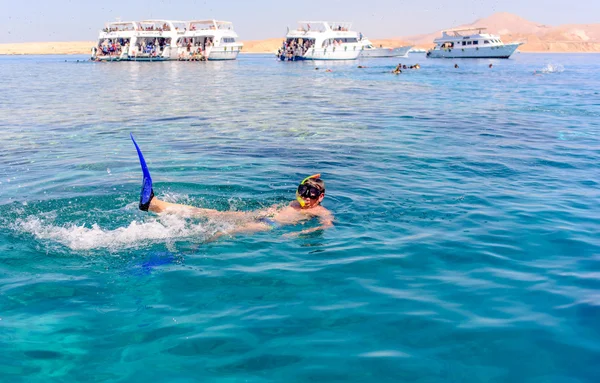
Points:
x=537 y=37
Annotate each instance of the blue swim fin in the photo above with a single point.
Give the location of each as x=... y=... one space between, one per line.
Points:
x=147 y=193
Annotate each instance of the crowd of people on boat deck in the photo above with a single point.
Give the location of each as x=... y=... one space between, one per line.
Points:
x=193 y=27
x=194 y=50
x=152 y=47
x=110 y=47
x=119 y=28
x=164 y=28
x=294 y=48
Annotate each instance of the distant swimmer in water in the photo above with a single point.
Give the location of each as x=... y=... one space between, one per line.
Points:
x=398 y=69
x=456 y=66
x=362 y=67
x=490 y=66
x=309 y=195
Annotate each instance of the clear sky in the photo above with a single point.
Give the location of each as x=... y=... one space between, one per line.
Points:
x=78 y=20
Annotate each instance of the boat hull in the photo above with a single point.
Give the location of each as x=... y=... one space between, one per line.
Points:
x=330 y=53
x=223 y=53
x=385 y=52
x=493 y=52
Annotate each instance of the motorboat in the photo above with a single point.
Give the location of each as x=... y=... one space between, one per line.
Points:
x=471 y=43
x=209 y=40
x=369 y=50
x=320 y=40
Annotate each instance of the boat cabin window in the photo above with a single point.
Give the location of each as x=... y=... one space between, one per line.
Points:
x=486 y=42
x=464 y=43
x=475 y=42
x=469 y=42
x=448 y=45
x=228 y=40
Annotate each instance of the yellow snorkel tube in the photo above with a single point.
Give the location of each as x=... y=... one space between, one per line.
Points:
x=298 y=197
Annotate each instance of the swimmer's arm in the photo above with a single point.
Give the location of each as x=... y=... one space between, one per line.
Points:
x=326 y=220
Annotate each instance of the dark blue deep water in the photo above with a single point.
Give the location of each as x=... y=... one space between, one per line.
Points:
x=466 y=244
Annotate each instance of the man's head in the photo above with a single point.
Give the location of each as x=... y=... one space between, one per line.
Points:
x=311 y=191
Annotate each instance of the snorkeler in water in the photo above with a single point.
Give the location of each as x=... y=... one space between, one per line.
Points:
x=307 y=205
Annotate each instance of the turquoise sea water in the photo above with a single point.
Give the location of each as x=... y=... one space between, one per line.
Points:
x=465 y=246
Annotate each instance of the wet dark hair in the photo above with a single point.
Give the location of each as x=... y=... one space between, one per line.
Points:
x=317 y=182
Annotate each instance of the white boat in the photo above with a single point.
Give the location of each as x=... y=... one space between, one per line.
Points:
x=211 y=39
x=320 y=40
x=368 y=50
x=471 y=43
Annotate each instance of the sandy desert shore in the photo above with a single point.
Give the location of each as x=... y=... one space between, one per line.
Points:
x=271 y=46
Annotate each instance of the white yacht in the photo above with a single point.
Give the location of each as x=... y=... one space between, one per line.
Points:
x=471 y=43
x=114 y=41
x=210 y=39
x=368 y=50
x=320 y=40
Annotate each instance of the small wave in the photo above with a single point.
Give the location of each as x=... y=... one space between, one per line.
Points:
x=552 y=68
x=166 y=228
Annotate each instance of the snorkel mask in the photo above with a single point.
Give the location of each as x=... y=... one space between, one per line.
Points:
x=307 y=190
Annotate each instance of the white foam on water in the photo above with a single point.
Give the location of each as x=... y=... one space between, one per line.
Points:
x=553 y=68
x=164 y=228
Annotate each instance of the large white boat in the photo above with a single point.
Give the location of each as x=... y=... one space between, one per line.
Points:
x=320 y=40
x=368 y=50
x=211 y=39
x=471 y=43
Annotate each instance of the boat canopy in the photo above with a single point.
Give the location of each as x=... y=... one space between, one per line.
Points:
x=323 y=26
x=118 y=26
x=460 y=32
x=162 y=25
x=199 y=25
